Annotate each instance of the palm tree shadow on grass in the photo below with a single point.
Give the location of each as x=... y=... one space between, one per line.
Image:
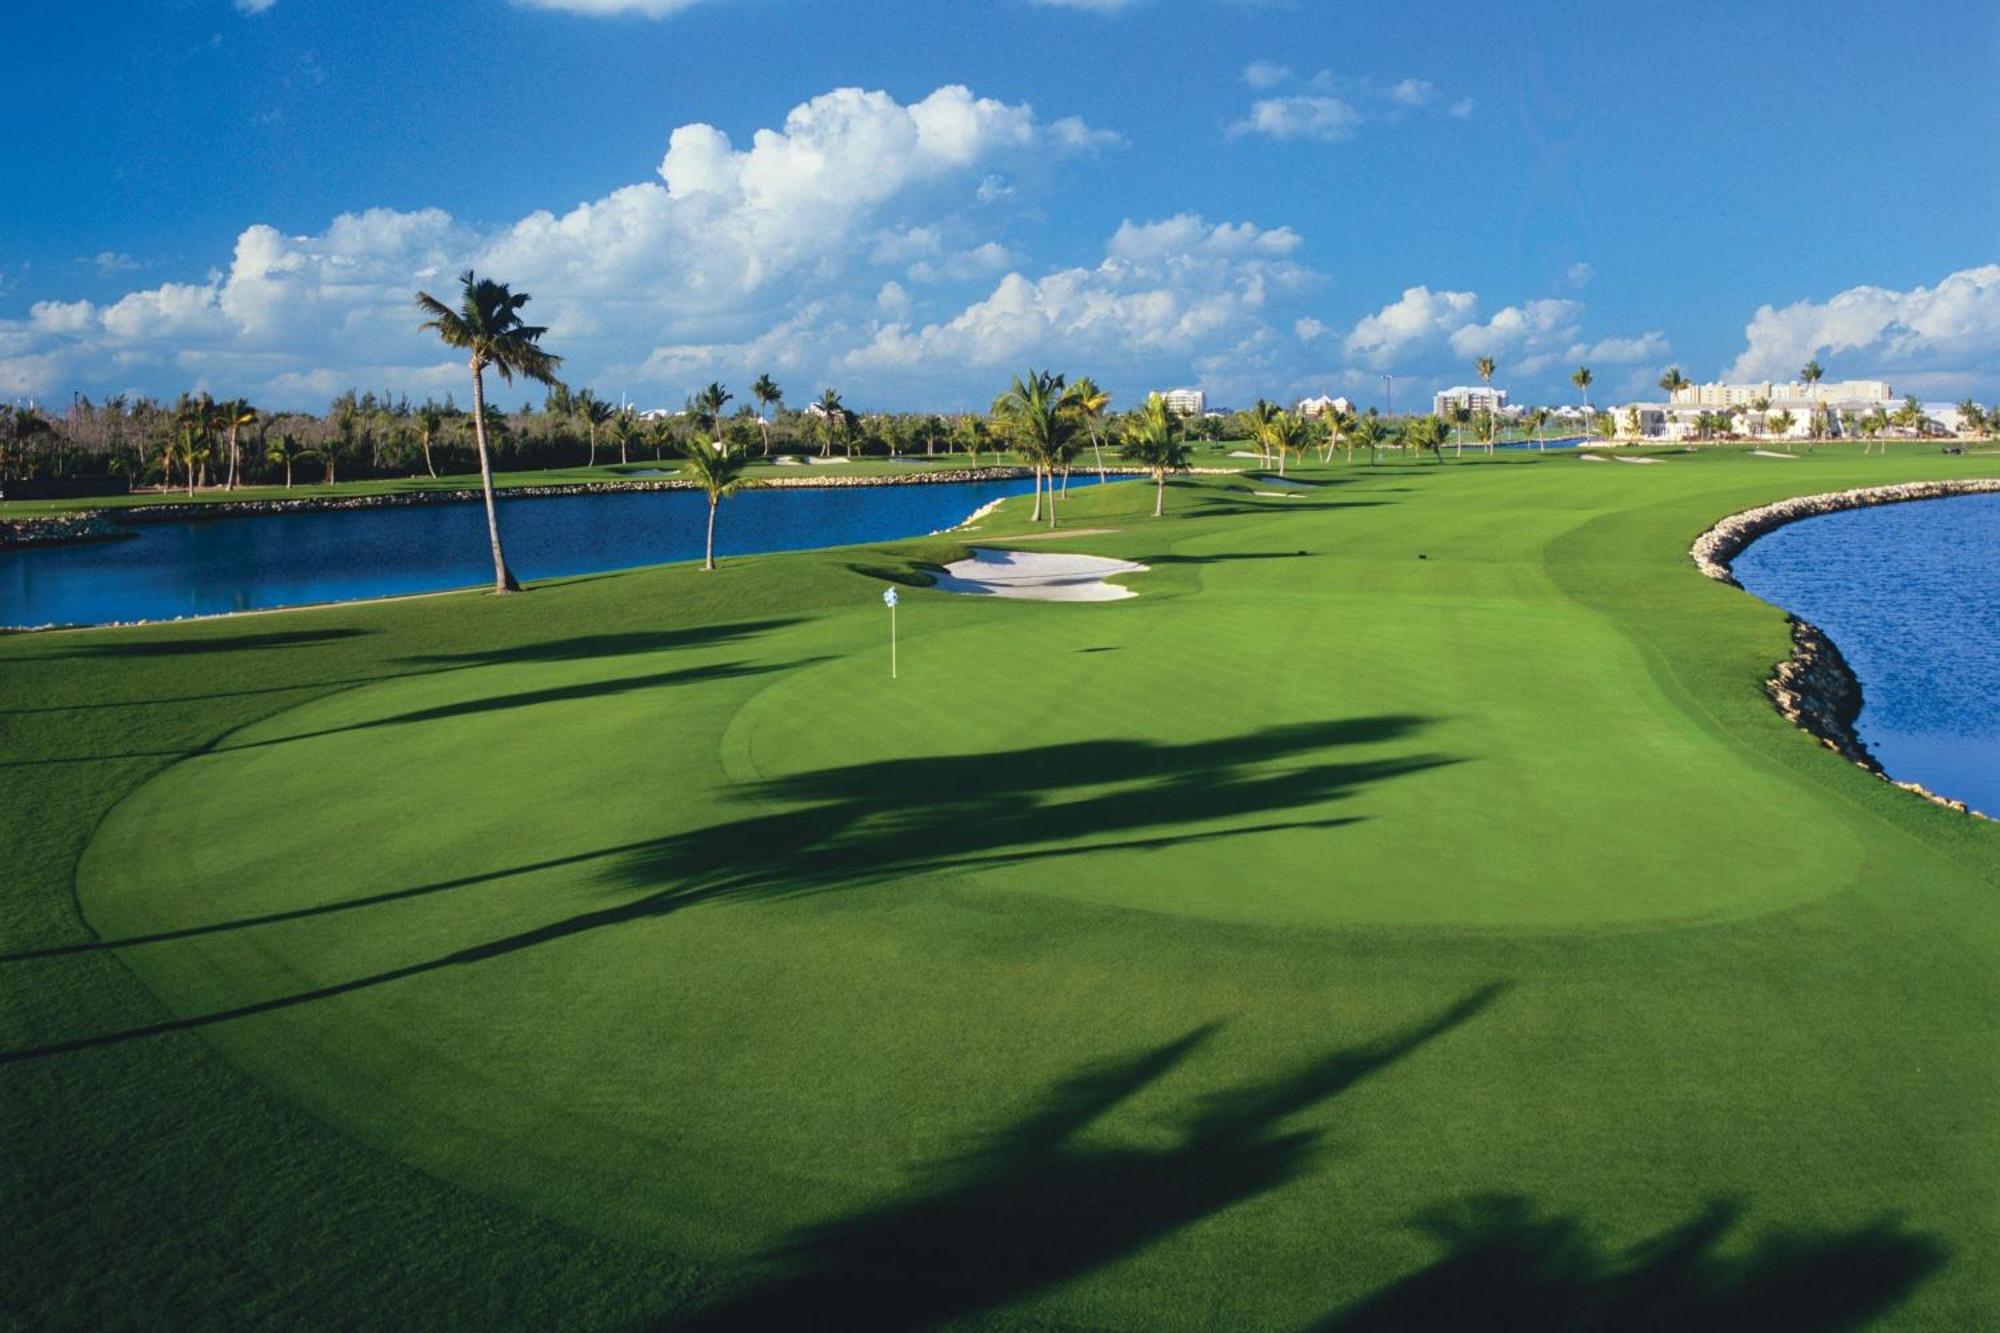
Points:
x=1507 y=1264
x=858 y=825
x=1038 y=1203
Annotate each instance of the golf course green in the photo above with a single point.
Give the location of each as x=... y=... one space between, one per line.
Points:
x=1406 y=912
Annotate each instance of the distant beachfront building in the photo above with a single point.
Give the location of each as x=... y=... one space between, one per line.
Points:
x=1846 y=393
x=1185 y=402
x=1810 y=409
x=1480 y=398
x=1320 y=406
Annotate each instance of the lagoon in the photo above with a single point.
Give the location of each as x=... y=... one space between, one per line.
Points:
x=213 y=566
x=1911 y=595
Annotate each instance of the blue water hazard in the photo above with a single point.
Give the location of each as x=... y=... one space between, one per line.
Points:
x=1911 y=595
x=240 y=564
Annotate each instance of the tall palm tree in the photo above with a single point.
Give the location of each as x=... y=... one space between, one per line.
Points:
x=487 y=326
x=1485 y=366
x=1032 y=411
x=1282 y=435
x=284 y=451
x=829 y=419
x=717 y=470
x=430 y=420
x=1672 y=383
x=190 y=450
x=231 y=417
x=1761 y=406
x=1583 y=379
x=706 y=407
x=594 y=412
x=1089 y=402
x=970 y=434
x=624 y=428
x=1153 y=442
x=1971 y=419
x=1366 y=433
x=768 y=396
x=1257 y=422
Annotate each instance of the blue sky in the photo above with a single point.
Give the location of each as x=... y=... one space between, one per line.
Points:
x=913 y=200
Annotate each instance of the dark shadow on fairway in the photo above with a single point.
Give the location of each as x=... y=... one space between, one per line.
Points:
x=589 y=689
x=1508 y=1265
x=609 y=645
x=230 y=643
x=858 y=825
x=1036 y=1204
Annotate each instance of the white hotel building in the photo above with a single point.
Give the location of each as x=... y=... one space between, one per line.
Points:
x=1483 y=398
x=1185 y=402
x=1678 y=419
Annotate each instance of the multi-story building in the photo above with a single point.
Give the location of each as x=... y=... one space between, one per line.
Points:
x=1844 y=392
x=1320 y=406
x=1185 y=402
x=1477 y=398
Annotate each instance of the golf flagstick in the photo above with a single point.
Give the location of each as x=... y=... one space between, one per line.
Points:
x=889 y=600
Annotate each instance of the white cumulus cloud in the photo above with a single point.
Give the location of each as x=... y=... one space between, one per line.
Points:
x=1944 y=338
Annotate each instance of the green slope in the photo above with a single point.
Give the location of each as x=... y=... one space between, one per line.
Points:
x=1406 y=909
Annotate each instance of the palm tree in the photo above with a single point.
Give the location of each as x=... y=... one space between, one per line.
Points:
x=230 y=418
x=1153 y=442
x=1582 y=379
x=1485 y=366
x=284 y=451
x=624 y=428
x=768 y=396
x=706 y=408
x=970 y=435
x=1782 y=423
x=1538 y=419
x=595 y=412
x=830 y=417
x=1089 y=402
x=1672 y=383
x=1425 y=432
x=1761 y=406
x=190 y=450
x=1366 y=433
x=1971 y=420
x=718 y=470
x=1257 y=421
x=1032 y=410
x=488 y=327
x=1337 y=423
x=430 y=420
x=1283 y=434
x=1910 y=416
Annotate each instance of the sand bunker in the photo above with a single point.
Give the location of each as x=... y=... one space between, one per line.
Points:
x=1770 y=453
x=1044 y=576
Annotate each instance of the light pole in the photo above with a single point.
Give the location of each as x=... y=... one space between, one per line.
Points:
x=1388 y=395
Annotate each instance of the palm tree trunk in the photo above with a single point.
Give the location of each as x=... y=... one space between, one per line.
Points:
x=231 y=484
x=1036 y=517
x=1097 y=449
x=593 y=446
x=709 y=561
x=429 y=467
x=288 y=474
x=503 y=578
x=1159 y=493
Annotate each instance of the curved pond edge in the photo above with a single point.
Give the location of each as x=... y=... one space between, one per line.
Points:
x=1814 y=689
x=88 y=525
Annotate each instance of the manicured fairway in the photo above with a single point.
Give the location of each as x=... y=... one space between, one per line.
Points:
x=1406 y=911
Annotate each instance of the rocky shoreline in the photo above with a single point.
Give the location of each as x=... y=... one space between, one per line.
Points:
x=61 y=530
x=1814 y=689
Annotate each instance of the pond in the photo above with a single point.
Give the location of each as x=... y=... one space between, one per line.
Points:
x=1911 y=595
x=208 y=567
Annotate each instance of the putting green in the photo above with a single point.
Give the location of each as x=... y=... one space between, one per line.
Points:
x=698 y=931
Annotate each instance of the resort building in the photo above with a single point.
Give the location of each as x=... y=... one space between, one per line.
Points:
x=1874 y=393
x=1481 y=398
x=1185 y=402
x=1320 y=406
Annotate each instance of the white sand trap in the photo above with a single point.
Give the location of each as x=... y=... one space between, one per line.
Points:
x=1772 y=453
x=1043 y=576
x=1622 y=459
x=1243 y=453
x=827 y=462
x=1277 y=495
x=1593 y=458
